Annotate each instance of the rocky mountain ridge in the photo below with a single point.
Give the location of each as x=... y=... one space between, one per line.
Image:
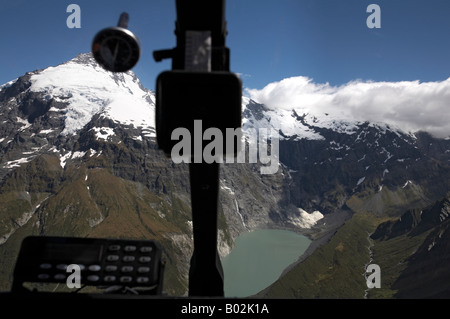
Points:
x=78 y=157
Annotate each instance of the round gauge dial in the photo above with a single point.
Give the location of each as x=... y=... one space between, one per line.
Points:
x=116 y=49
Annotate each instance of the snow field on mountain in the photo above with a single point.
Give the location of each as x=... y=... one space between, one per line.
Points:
x=305 y=219
x=90 y=91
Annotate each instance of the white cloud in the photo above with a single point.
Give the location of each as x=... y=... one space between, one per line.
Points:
x=409 y=105
x=244 y=75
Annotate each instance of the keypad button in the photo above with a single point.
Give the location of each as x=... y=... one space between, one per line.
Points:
x=143 y=269
x=82 y=267
x=93 y=278
x=114 y=247
x=144 y=259
x=112 y=257
x=109 y=278
x=61 y=267
x=130 y=248
x=146 y=249
x=142 y=280
x=127 y=269
x=45 y=266
x=43 y=276
x=126 y=279
x=60 y=277
x=94 y=267
x=110 y=268
x=128 y=258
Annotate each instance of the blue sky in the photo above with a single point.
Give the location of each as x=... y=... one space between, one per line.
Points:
x=327 y=41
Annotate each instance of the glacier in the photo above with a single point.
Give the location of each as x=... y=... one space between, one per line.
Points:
x=88 y=89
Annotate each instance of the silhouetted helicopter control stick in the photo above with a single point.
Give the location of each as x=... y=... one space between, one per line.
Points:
x=200 y=87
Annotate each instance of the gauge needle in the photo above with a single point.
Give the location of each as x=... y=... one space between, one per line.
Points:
x=116 y=50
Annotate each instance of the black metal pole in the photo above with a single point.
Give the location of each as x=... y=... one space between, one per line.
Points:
x=201 y=27
x=206 y=274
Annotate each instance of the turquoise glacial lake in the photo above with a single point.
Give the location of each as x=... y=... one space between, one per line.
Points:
x=258 y=259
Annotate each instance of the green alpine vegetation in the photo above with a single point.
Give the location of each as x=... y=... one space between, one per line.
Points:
x=335 y=269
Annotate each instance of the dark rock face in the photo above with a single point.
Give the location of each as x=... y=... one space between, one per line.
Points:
x=426 y=274
x=326 y=173
x=415 y=221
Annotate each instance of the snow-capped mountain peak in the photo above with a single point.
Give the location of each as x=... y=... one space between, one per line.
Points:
x=298 y=123
x=87 y=89
x=83 y=89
